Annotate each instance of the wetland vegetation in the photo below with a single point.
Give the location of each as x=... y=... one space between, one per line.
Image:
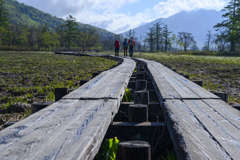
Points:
x=27 y=77
x=221 y=74
x=218 y=73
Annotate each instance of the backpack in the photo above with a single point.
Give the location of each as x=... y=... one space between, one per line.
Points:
x=125 y=44
x=131 y=43
x=117 y=44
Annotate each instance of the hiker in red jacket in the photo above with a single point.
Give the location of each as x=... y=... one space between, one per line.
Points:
x=117 y=45
x=131 y=44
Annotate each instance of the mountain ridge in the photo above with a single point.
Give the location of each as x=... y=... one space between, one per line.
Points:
x=22 y=14
x=197 y=22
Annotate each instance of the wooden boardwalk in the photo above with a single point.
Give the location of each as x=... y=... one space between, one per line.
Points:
x=72 y=128
x=201 y=125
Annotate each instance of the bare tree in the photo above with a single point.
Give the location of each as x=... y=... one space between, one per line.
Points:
x=194 y=47
x=209 y=40
x=185 y=39
x=131 y=33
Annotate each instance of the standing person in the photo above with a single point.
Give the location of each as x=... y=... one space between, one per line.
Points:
x=117 y=45
x=131 y=44
x=125 y=46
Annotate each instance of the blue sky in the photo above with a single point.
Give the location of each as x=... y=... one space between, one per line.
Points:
x=121 y=15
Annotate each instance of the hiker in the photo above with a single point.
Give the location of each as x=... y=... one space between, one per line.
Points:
x=117 y=45
x=125 y=46
x=131 y=44
x=83 y=49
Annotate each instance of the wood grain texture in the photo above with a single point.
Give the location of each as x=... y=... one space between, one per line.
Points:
x=75 y=133
x=228 y=112
x=74 y=127
x=225 y=133
x=109 y=84
x=190 y=138
x=22 y=129
x=174 y=86
x=201 y=125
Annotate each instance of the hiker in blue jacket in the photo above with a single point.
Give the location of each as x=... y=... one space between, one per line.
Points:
x=125 y=46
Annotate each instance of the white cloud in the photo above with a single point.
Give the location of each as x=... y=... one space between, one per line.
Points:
x=113 y=21
x=171 y=7
x=105 y=13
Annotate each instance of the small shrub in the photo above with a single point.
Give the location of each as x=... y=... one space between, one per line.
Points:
x=127 y=97
x=109 y=150
x=170 y=156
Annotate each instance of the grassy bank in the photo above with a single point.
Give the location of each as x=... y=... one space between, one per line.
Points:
x=28 y=77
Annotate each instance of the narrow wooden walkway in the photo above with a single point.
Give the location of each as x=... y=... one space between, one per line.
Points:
x=72 y=128
x=201 y=125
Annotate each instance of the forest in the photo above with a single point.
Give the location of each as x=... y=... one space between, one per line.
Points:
x=25 y=28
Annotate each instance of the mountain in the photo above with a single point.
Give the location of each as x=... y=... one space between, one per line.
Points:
x=196 y=22
x=22 y=14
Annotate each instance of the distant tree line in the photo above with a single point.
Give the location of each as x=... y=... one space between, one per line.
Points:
x=69 y=35
x=159 y=38
x=228 y=36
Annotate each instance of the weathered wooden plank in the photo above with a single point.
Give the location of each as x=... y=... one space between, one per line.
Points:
x=226 y=134
x=181 y=89
x=79 y=142
x=70 y=128
x=162 y=86
x=201 y=92
x=190 y=138
x=15 y=133
x=175 y=84
x=228 y=112
x=128 y=66
x=109 y=84
x=79 y=126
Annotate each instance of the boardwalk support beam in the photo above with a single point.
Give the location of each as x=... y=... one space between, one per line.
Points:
x=60 y=92
x=141 y=85
x=138 y=113
x=138 y=150
x=141 y=97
